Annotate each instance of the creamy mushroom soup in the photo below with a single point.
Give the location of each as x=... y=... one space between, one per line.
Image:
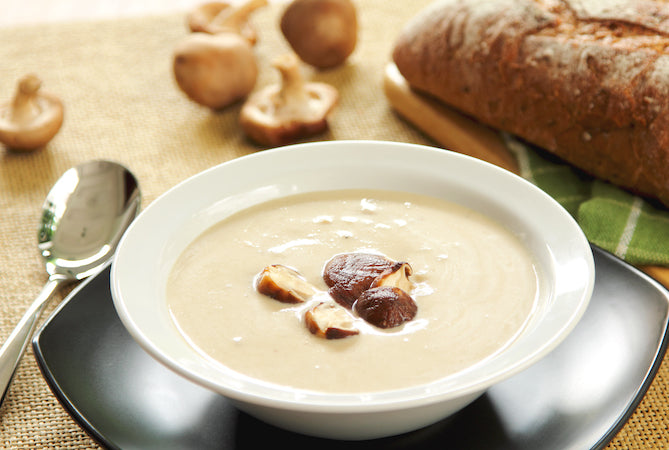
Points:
x=475 y=286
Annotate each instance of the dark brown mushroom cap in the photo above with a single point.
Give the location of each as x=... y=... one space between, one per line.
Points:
x=385 y=306
x=348 y=275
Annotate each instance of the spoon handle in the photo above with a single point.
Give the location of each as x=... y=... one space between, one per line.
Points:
x=15 y=345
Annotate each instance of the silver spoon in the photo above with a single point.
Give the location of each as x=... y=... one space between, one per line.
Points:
x=83 y=218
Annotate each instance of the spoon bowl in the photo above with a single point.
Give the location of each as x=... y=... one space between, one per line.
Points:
x=83 y=218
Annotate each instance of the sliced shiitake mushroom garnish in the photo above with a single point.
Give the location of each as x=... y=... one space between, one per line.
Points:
x=326 y=320
x=375 y=287
x=330 y=321
x=348 y=275
x=284 y=284
x=385 y=306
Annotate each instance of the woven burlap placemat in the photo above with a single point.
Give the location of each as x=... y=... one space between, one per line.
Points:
x=122 y=103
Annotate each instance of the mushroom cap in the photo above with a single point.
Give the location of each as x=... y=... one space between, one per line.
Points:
x=32 y=119
x=348 y=275
x=322 y=33
x=215 y=70
x=385 y=306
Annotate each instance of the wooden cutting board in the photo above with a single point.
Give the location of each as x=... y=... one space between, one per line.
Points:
x=459 y=133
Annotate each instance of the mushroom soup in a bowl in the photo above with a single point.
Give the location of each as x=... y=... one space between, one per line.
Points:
x=352 y=289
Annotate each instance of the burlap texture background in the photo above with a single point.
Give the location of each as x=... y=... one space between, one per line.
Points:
x=122 y=104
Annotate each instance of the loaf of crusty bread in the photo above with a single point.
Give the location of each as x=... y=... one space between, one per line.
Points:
x=587 y=80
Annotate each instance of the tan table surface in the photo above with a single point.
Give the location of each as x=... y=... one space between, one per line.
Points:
x=114 y=77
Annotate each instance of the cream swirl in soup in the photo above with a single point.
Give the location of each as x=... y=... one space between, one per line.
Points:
x=475 y=286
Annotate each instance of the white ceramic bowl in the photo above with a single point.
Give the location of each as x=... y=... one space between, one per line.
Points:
x=157 y=237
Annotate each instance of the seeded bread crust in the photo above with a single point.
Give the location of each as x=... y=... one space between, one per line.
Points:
x=587 y=80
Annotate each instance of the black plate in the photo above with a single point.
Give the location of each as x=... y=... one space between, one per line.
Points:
x=579 y=396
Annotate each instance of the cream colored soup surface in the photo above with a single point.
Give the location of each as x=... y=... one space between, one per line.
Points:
x=475 y=288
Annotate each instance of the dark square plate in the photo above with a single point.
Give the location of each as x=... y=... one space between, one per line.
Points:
x=578 y=397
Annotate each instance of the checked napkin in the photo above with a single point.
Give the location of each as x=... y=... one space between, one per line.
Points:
x=624 y=224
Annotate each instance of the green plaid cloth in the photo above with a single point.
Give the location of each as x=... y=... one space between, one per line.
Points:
x=611 y=218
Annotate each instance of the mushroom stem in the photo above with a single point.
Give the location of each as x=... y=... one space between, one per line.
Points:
x=292 y=94
x=234 y=17
x=25 y=105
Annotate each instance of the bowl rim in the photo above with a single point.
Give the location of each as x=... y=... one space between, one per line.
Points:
x=297 y=399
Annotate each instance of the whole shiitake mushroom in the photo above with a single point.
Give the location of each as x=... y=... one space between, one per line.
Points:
x=32 y=118
x=290 y=110
x=323 y=33
x=215 y=70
